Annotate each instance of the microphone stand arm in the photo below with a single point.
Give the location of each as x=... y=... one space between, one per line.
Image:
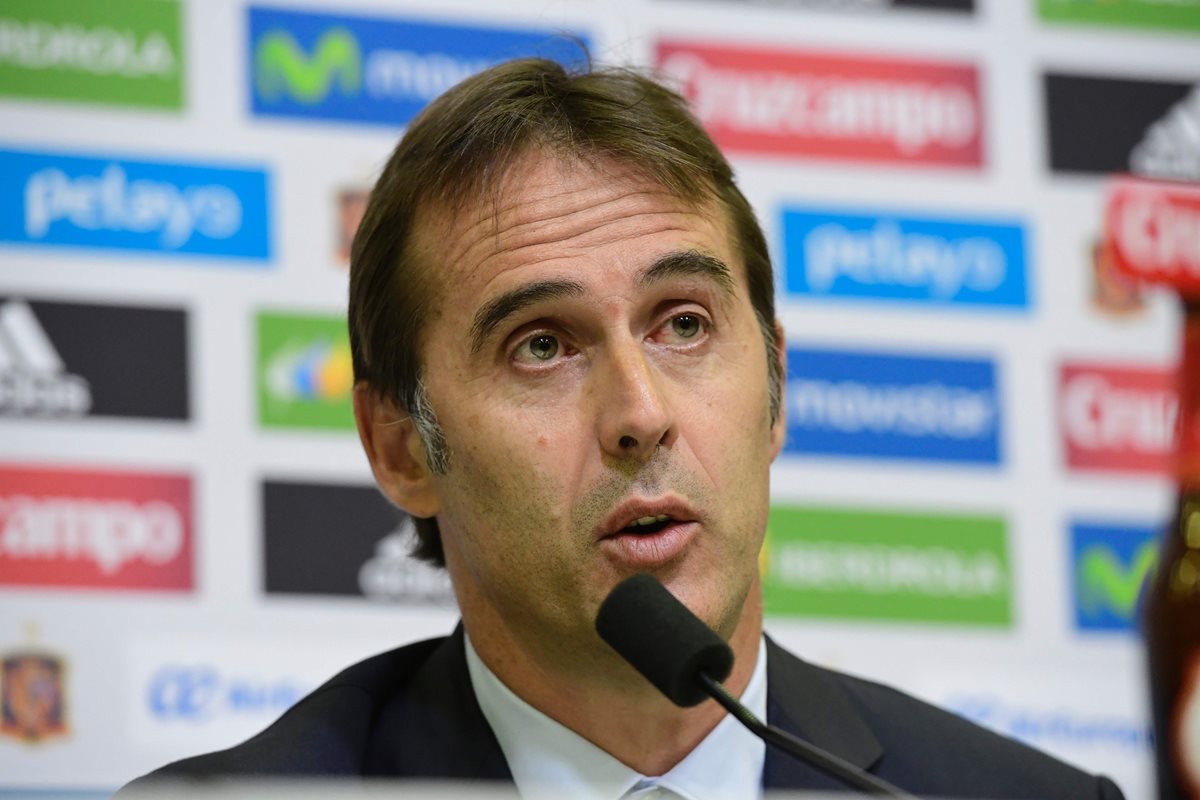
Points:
x=798 y=748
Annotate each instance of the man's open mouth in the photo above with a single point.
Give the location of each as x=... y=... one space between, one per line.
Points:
x=647 y=525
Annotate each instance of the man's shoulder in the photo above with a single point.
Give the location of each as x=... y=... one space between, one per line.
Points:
x=931 y=751
x=326 y=733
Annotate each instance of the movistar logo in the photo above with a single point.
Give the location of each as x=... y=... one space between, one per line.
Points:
x=1107 y=583
x=282 y=68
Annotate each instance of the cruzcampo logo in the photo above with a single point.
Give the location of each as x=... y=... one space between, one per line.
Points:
x=1180 y=16
x=1111 y=565
x=304 y=373
x=887 y=566
x=283 y=69
x=128 y=53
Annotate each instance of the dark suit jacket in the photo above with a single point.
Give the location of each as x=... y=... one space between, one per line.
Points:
x=412 y=713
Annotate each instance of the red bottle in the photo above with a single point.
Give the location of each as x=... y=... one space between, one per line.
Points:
x=1153 y=234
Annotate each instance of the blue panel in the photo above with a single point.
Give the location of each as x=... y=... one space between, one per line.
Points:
x=379 y=70
x=888 y=257
x=1109 y=568
x=120 y=204
x=882 y=405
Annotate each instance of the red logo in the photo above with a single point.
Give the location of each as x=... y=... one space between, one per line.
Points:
x=798 y=103
x=32 y=697
x=1117 y=418
x=110 y=530
x=1153 y=232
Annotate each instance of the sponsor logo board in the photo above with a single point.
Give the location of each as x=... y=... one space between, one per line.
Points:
x=1110 y=565
x=964 y=6
x=305 y=376
x=95 y=530
x=819 y=105
x=1053 y=726
x=33 y=695
x=115 y=203
x=328 y=539
x=887 y=566
x=202 y=692
x=884 y=256
x=1084 y=711
x=883 y=405
x=1154 y=135
x=1169 y=15
x=379 y=70
x=1114 y=293
x=350 y=205
x=127 y=54
x=1117 y=418
x=1152 y=231
x=70 y=360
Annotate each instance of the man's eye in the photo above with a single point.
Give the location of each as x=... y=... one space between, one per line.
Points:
x=542 y=347
x=686 y=326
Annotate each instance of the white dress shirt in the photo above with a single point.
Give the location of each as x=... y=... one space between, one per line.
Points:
x=549 y=761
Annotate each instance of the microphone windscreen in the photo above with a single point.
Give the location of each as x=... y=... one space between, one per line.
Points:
x=662 y=639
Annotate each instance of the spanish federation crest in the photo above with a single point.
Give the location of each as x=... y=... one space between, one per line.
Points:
x=32 y=696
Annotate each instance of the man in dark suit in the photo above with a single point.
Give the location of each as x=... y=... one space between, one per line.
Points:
x=569 y=370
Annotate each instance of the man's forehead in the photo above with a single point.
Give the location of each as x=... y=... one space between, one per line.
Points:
x=544 y=198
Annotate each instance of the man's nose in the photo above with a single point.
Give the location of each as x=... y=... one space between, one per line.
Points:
x=633 y=416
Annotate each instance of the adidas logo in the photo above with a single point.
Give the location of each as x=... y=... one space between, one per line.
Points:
x=33 y=379
x=1171 y=147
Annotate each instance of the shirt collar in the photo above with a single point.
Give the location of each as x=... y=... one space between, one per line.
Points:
x=548 y=760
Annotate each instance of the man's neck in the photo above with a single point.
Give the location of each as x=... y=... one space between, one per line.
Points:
x=611 y=705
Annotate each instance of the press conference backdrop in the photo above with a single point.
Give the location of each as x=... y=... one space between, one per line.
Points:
x=979 y=410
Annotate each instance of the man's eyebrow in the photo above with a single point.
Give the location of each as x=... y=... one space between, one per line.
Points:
x=495 y=311
x=689 y=262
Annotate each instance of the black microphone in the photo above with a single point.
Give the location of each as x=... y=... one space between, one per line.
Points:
x=686 y=660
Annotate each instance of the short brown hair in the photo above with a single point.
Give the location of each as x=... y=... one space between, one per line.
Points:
x=458 y=146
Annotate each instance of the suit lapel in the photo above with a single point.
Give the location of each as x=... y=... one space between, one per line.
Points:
x=807 y=702
x=432 y=726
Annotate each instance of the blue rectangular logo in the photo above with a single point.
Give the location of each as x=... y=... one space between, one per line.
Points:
x=908 y=259
x=375 y=70
x=1110 y=565
x=120 y=204
x=879 y=405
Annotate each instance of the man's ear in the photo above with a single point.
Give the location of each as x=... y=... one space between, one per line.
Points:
x=396 y=452
x=779 y=429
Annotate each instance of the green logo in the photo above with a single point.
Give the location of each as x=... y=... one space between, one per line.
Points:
x=305 y=378
x=882 y=566
x=1168 y=15
x=128 y=53
x=282 y=68
x=1106 y=583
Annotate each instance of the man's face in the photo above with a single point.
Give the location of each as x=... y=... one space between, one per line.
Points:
x=594 y=361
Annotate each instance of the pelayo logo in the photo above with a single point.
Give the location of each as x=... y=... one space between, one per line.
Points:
x=910 y=259
x=120 y=204
x=879 y=405
x=840 y=563
x=305 y=376
x=1110 y=564
x=128 y=53
x=371 y=69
